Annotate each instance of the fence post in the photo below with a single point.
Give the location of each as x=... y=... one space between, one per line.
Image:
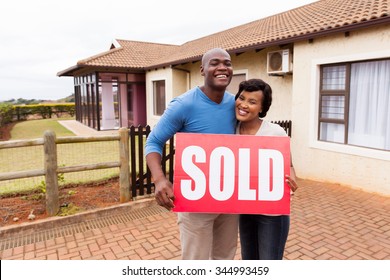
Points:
x=124 y=175
x=50 y=151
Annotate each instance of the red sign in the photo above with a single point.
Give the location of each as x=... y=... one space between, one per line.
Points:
x=218 y=173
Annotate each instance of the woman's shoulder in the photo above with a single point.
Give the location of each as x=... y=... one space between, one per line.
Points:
x=272 y=129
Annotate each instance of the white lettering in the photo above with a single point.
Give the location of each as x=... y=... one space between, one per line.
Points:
x=244 y=190
x=199 y=189
x=271 y=182
x=217 y=190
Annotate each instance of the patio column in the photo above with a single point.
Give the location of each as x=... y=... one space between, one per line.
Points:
x=108 y=113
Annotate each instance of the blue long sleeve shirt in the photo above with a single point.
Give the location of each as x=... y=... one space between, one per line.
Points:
x=192 y=112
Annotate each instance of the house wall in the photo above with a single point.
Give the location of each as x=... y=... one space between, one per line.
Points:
x=157 y=75
x=181 y=81
x=123 y=105
x=139 y=104
x=358 y=167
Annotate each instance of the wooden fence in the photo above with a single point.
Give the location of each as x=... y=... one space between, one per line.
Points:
x=286 y=125
x=51 y=168
x=134 y=176
x=141 y=182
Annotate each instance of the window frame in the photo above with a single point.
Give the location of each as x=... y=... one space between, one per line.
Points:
x=314 y=143
x=242 y=72
x=154 y=103
x=343 y=93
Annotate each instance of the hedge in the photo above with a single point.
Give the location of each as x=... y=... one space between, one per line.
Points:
x=6 y=113
x=9 y=112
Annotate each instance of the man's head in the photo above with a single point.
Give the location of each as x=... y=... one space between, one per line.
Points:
x=217 y=69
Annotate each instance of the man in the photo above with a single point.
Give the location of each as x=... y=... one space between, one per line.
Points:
x=205 y=109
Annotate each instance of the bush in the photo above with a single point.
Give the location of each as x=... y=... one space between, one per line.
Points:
x=44 y=110
x=6 y=113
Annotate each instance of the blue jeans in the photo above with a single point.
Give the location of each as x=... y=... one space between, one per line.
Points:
x=263 y=237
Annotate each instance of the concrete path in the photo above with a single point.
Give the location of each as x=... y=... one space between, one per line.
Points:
x=82 y=130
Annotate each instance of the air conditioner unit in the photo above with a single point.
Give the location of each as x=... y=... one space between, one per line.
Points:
x=279 y=62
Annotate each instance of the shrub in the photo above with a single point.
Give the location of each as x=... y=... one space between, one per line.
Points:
x=44 y=110
x=6 y=113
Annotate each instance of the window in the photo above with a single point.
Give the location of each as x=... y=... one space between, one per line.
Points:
x=235 y=82
x=354 y=104
x=158 y=97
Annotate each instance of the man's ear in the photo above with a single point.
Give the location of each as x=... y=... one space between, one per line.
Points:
x=201 y=70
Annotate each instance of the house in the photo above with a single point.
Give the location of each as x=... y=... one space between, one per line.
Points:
x=328 y=64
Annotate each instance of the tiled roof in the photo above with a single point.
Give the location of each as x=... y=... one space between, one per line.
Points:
x=306 y=22
x=130 y=54
x=309 y=21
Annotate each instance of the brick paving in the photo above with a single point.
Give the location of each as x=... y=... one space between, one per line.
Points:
x=328 y=221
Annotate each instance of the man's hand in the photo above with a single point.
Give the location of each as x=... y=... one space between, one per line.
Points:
x=164 y=193
x=163 y=187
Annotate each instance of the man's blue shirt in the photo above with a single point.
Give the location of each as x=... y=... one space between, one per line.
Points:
x=192 y=112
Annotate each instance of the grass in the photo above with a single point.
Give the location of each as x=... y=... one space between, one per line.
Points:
x=35 y=129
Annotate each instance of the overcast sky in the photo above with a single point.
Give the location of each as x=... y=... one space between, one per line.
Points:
x=39 y=38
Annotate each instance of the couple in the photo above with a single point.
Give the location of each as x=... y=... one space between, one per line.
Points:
x=210 y=109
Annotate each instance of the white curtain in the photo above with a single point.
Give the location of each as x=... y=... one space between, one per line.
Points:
x=369 y=108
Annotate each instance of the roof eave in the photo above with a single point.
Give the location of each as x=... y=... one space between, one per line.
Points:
x=176 y=62
x=69 y=71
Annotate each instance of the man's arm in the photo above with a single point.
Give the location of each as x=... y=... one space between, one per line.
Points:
x=163 y=187
x=170 y=123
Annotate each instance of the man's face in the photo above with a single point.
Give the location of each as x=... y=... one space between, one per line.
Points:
x=217 y=69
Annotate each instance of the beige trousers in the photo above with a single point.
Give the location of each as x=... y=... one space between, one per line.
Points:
x=206 y=236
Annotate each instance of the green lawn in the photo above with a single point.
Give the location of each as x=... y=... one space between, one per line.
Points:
x=35 y=128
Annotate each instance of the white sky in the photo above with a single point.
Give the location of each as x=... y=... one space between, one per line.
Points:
x=39 y=38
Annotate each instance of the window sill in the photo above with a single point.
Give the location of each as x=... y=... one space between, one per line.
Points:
x=351 y=150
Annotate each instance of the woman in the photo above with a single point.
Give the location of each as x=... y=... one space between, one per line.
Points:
x=262 y=237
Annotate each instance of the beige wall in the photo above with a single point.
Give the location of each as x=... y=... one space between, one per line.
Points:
x=157 y=75
x=363 y=168
x=181 y=80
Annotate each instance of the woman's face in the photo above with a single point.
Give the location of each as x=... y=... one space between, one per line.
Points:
x=249 y=105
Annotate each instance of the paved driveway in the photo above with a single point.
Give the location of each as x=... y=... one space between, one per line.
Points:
x=329 y=221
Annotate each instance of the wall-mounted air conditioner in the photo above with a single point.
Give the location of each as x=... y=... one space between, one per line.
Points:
x=279 y=62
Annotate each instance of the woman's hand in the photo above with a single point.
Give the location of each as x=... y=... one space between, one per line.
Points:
x=291 y=180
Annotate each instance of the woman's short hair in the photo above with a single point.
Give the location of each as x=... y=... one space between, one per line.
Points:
x=255 y=85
